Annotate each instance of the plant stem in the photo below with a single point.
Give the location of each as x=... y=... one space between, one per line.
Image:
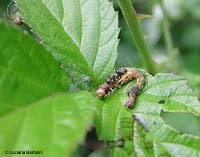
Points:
x=137 y=35
x=172 y=52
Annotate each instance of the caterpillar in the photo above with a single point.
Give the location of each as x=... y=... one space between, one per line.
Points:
x=135 y=90
x=111 y=83
x=122 y=77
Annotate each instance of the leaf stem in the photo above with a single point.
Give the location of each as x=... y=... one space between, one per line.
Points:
x=137 y=35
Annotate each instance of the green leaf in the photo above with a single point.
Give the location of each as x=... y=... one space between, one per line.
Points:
x=53 y=125
x=148 y=132
x=35 y=112
x=193 y=80
x=82 y=35
x=178 y=120
x=27 y=71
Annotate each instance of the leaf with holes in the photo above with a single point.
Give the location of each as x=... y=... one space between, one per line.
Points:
x=142 y=128
x=81 y=34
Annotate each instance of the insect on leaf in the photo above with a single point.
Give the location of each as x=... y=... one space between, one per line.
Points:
x=143 y=126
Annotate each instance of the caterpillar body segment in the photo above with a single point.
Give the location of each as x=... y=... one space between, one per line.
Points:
x=122 y=77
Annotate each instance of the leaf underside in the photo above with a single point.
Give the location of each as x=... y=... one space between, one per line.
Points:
x=147 y=134
x=81 y=34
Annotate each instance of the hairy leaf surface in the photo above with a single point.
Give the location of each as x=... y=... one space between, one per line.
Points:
x=81 y=34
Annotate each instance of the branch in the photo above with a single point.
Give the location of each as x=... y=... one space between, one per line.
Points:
x=137 y=35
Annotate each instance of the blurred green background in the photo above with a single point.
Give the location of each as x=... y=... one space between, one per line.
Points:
x=184 y=22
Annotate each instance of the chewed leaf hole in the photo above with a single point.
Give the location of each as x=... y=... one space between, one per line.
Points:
x=183 y=122
x=161 y=102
